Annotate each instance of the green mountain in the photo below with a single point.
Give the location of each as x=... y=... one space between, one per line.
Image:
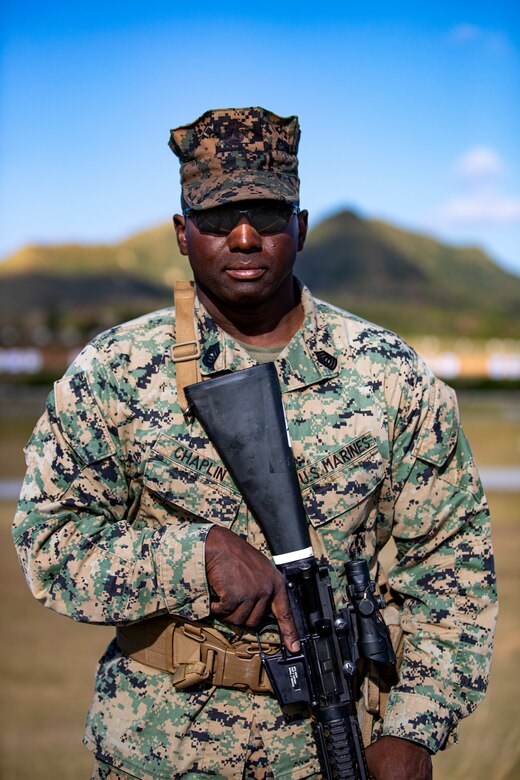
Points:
x=404 y=280
x=409 y=281
x=89 y=287
x=152 y=254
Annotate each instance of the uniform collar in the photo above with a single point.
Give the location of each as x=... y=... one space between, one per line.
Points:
x=311 y=356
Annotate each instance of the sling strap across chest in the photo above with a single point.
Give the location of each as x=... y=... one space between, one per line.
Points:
x=185 y=352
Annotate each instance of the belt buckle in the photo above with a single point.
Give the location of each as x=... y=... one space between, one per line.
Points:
x=243 y=669
x=208 y=658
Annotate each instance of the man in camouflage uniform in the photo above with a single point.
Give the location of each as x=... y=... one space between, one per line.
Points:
x=127 y=513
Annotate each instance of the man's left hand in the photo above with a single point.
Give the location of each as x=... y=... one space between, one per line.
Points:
x=392 y=758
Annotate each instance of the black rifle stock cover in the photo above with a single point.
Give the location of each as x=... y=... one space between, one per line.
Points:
x=242 y=413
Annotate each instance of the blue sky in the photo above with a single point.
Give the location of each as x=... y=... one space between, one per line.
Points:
x=409 y=111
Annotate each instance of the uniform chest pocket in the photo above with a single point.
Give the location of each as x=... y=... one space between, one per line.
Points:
x=342 y=482
x=190 y=481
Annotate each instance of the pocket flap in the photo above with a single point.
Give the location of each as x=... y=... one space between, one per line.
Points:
x=185 y=478
x=341 y=480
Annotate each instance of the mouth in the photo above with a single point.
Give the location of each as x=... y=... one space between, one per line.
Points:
x=245 y=273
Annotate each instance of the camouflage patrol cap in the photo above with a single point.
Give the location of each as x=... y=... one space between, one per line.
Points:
x=234 y=154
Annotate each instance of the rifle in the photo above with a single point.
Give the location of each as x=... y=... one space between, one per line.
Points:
x=243 y=415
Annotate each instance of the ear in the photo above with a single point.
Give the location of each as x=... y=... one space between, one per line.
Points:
x=303 y=218
x=180 y=230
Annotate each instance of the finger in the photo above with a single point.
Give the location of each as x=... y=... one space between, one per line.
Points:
x=236 y=613
x=282 y=612
x=257 y=613
x=214 y=606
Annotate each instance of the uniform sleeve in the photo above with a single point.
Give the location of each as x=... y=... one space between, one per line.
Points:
x=444 y=571
x=83 y=552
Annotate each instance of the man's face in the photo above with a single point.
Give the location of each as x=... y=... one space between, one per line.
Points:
x=242 y=267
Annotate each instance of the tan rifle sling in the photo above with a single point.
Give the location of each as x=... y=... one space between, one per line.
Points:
x=186 y=349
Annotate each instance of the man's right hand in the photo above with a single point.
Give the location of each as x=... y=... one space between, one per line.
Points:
x=247 y=584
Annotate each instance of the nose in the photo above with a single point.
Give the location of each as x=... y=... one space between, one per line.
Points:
x=244 y=238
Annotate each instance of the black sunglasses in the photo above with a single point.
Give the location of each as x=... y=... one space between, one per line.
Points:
x=265 y=218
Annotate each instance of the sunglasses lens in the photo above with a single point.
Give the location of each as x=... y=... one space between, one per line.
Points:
x=270 y=219
x=266 y=219
x=219 y=220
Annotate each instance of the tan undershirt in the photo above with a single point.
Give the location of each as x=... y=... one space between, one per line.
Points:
x=262 y=354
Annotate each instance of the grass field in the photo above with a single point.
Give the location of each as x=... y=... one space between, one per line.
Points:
x=47 y=662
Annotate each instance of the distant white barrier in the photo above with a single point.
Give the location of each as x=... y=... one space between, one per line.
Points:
x=20 y=360
x=445 y=364
x=466 y=358
x=504 y=366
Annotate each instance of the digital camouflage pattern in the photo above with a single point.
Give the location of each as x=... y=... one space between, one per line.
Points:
x=121 y=491
x=233 y=154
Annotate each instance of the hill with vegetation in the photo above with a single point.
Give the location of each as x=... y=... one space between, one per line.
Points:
x=409 y=281
x=404 y=280
x=88 y=287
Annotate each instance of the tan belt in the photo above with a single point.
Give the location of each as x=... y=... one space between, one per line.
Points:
x=196 y=653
